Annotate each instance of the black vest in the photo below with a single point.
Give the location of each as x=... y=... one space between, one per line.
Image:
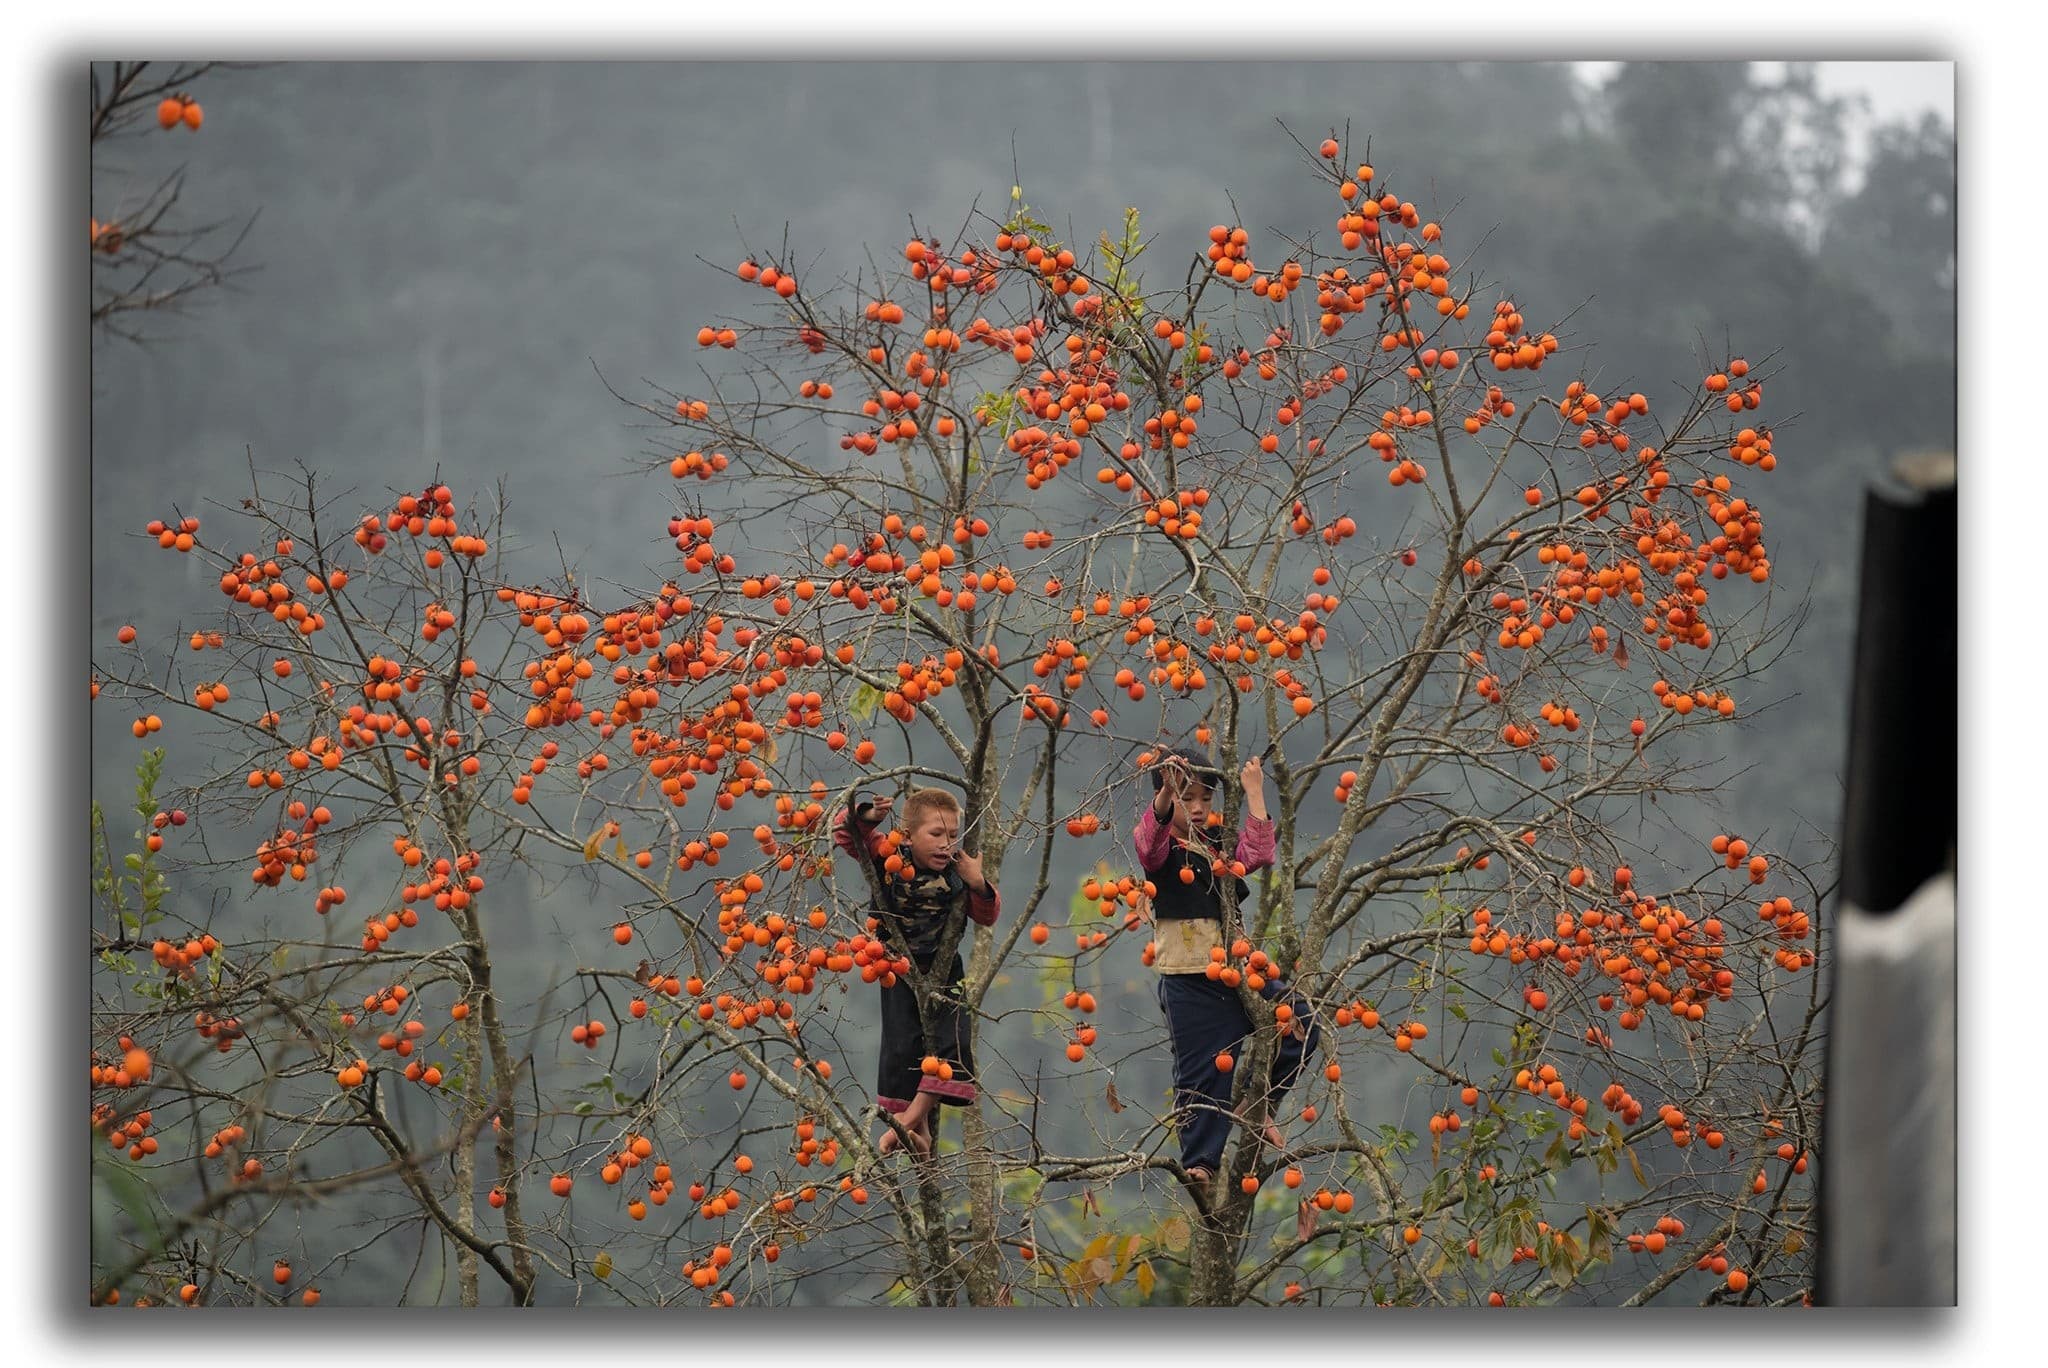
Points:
x=1173 y=900
x=915 y=911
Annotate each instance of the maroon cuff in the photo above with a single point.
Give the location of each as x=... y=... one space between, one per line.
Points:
x=984 y=904
x=947 y=1088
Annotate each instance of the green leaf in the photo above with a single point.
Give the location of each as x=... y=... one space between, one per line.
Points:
x=1002 y=411
x=1599 y=1245
x=861 y=707
x=1118 y=256
x=1565 y=1260
x=1190 y=364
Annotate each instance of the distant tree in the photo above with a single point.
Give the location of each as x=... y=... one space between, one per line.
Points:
x=1722 y=140
x=1896 y=236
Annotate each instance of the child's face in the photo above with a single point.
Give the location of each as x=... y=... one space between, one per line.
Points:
x=1193 y=810
x=933 y=839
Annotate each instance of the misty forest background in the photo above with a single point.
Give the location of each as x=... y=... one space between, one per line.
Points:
x=453 y=261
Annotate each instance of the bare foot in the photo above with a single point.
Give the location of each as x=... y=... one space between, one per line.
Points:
x=1198 y=1176
x=916 y=1124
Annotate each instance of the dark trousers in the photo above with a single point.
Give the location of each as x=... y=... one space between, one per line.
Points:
x=1203 y=1019
x=908 y=1039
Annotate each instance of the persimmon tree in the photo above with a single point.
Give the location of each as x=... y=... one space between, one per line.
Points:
x=1011 y=514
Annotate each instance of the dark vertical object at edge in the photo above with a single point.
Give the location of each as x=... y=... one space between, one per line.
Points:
x=1898 y=837
x=1899 y=815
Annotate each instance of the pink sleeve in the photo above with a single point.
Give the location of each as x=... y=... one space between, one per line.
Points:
x=1154 y=842
x=842 y=832
x=1255 y=844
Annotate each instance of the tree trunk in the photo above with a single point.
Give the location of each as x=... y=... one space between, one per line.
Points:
x=980 y=1255
x=463 y=1160
x=1214 y=1251
x=483 y=1035
x=505 y=1126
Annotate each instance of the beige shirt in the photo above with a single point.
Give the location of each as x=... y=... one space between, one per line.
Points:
x=1182 y=945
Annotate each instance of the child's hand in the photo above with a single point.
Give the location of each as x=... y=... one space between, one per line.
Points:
x=970 y=869
x=875 y=808
x=1253 y=776
x=1172 y=778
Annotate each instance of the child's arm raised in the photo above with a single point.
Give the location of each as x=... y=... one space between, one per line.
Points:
x=858 y=825
x=1172 y=777
x=1154 y=840
x=858 y=832
x=1154 y=836
x=1255 y=842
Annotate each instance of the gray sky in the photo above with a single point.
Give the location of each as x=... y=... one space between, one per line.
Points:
x=1895 y=89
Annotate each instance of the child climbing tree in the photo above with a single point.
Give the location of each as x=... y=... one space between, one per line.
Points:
x=1016 y=515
